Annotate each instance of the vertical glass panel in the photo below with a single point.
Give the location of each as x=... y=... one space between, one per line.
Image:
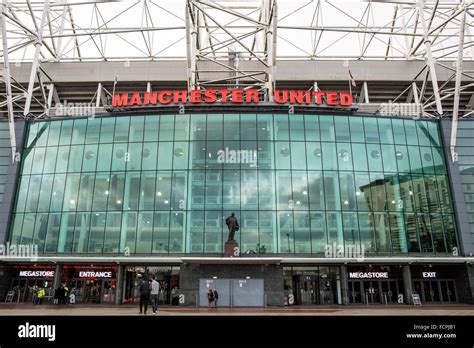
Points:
x=266 y=190
x=81 y=232
x=54 y=132
x=431 y=194
x=311 y=125
x=399 y=131
x=177 y=231
x=282 y=154
x=318 y=232
x=287 y=238
x=438 y=160
x=374 y=155
x=66 y=132
x=41 y=228
x=265 y=158
x=329 y=156
x=300 y=190
x=41 y=137
x=144 y=232
x=165 y=155
x=120 y=156
x=116 y=191
x=181 y=130
x=71 y=192
x=45 y=193
x=348 y=191
x=371 y=130
x=163 y=191
x=137 y=124
x=93 y=130
x=50 y=159
x=434 y=134
x=122 y=129
x=58 y=192
x=90 y=158
x=79 y=131
x=52 y=235
x=267 y=231
x=402 y=158
x=264 y=127
x=96 y=235
x=382 y=232
x=427 y=160
x=249 y=232
x=75 y=158
x=356 y=126
x=101 y=192
x=351 y=230
x=443 y=193
x=22 y=193
x=107 y=130
x=334 y=228
x=28 y=155
x=360 y=157
x=389 y=158
x=410 y=132
x=32 y=133
x=178 y=194
x=33 y=194
x=424 y=229
x=135 y=156
x=385 y=130
x=231 y=128
x=284 y=196
x=38 y=160
x=302 y=232
x=450 y=232
x=316 y=190
x=216 y=155
x=419 y=193
x=398 y=233
x=438 y=235
x=166 y=128
x=342 y=129
x=104 y=158
x=362 y=191
x=129 y=230
x=147 y=200
x=366 y=232
x=423 y=133
x=298 y=155
x=297 y=132
x=231 y=189
x=344 y=156
x=196 y=218
x=161 y=232
x=66 y=233
x=412 y=233
x=28 y=228
x=378 y=198
x=327 y=130
x=86 y=191
x=149 y=156
x=248 y=127
x=281 y=127
x=314 y=155
x=198 y=127
x=331 y=191
x=415 y=159
x=152 y=126
x=249 y=190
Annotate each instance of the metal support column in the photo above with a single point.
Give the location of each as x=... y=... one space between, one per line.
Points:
x=35 y=65
x=431 y=61
x=407 y=284
x=6 y=77
x=119 y=286
x=454 y=126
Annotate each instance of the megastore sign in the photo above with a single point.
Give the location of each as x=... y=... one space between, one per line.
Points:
x=230 y=96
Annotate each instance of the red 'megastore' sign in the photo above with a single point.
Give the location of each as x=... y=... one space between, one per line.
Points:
x=230 y=96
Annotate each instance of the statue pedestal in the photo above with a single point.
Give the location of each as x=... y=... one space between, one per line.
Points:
x=230 y=249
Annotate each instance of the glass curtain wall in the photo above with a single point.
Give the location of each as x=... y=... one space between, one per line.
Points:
x=164 y=184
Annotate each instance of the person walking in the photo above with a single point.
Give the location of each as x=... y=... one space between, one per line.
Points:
x=41 y=294
x=216 y=297
x=34 y=296
x=155 y=292
x=210 y=298
x=145 y=289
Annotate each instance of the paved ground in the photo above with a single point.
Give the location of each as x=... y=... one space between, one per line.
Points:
x=98 y=310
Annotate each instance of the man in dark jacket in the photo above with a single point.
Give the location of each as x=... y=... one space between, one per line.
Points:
x=216 y=297
x=145 y=289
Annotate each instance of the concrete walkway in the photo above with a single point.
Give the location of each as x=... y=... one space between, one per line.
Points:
x=127 y=310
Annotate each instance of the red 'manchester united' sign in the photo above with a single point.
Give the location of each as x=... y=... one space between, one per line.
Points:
x=233 y=96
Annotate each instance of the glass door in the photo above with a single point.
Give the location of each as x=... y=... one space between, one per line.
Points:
x=431 y=291
x=371 y=291
x=108 y=291
x=389 y=290
x=355 y=295
x=448 y=292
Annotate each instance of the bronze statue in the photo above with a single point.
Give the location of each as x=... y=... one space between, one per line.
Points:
x=232 y=225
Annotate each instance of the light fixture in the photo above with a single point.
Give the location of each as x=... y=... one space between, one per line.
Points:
x=119 y=201
x=305 y=193
x=410 y=192
x=106 y=192
x=158 y=193
x=247 y=277
x=298 y=202
x=393 y=202
x=214 y=277
x=166 y=202
x=357 y=193
x=54 y=193
x=346 y=202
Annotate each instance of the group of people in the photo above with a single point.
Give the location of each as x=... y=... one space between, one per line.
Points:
x=149 y=291
x=212 y=298
x=61 y=294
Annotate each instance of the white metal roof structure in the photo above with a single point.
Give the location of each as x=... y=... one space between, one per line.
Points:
x=80 y=50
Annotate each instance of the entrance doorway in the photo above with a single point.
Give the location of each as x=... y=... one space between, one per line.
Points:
x=374 y=291
x=306 y=289
x=436 y=290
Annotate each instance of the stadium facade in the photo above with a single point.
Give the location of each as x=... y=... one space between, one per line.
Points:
x=338 y=202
